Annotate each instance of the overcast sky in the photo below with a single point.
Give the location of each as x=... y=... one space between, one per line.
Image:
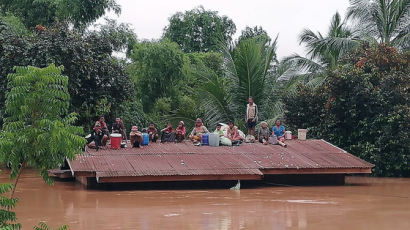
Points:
x=284 y=17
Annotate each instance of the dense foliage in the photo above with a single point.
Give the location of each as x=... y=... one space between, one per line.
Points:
x=355 y=97
x=386 y=21
x=252 y=32
x=246 y=73
x=199 y=30
x=363 y=107
x=46 y=12
x=156 y=68
x=38 y=131
x=7 y=217
x=94 y=75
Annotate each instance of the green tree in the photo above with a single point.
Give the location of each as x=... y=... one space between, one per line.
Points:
x=224 y=98
x=121 y=37
x=37 y=131
x=363 y=107
x=386 y=21
x=156 y=70
x=7 y=217
x=94 y=74
x=252 y=32
x=323 y=52
x=199 y=30
x=45 y=12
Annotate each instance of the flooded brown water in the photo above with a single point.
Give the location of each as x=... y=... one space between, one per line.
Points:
x=364 y=203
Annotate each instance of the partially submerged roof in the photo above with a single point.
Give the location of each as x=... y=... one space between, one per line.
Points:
x=184 y=161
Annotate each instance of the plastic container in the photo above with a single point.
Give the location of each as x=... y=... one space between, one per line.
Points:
x=273 y=140
x=145 y=139
x=302 y=134
x=115 y=140
x=288 y=135
x=205 y=139
x=214 y=139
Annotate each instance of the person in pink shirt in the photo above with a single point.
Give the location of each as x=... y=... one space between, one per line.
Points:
x=180 y=132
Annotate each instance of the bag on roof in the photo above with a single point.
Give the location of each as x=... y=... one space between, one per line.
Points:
x=250 y=139
x=225 y=141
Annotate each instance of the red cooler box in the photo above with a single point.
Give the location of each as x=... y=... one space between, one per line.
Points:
x=115 y=140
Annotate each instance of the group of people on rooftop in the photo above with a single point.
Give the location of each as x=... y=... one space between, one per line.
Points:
x=228 y=134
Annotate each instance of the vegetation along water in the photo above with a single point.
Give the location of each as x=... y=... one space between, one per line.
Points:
x=59 y=72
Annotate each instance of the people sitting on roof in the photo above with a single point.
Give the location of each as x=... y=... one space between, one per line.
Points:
x=118 y=127
x=102 y=126
x=233 y=134
x=263 y=133
x=222 y=139
x=197 y=131
x=96 y=136
x=168 y=133
x=279 y=131
x=180 y=132
x=152 y=132
x=135 y=137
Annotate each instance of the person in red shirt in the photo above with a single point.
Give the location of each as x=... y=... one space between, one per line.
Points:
x=168 y=133
x=180 y=132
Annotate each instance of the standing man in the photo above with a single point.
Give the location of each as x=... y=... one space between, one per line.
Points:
x=251 y=116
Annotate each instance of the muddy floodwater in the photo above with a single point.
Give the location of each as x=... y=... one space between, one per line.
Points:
x=363 y=203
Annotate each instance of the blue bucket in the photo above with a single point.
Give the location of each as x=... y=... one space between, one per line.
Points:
x=205 y=139
x=145 y=139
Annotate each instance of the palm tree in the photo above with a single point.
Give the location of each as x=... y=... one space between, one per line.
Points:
x=247 y=74
x=323 y=52
x=385 y=21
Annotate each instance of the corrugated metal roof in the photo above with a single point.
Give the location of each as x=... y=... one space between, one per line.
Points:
x=184 y=159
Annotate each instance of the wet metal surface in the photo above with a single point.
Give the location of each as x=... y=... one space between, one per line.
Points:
x=364 y=203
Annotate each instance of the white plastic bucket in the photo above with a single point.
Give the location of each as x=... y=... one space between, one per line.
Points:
x=302 y=134
x=288 y=135
x=213 y=139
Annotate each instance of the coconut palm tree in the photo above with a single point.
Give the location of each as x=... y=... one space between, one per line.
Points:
x=247 y=74
x=323 y=52
x=384 y=21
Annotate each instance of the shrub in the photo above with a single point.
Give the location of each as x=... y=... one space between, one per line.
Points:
x=363 y=107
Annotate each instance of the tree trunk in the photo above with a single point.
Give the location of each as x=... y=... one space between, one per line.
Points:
x=17 y=179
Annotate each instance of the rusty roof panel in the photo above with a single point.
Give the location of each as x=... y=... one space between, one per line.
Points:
x=171 y=159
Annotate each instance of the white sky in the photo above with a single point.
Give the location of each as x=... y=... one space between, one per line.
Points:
x=286 y=17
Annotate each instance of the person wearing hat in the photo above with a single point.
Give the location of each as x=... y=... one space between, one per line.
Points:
x=152 y=132
x=180 y=132
x=197 y=131
x=135 y=137
x=263 y=133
